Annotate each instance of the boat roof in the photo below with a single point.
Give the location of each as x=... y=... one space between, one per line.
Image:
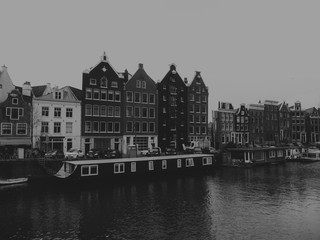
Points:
x=138 y=159
x=255 y=148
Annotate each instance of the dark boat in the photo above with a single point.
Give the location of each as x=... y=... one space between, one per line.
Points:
x=312 y=155
x=252 y=156
x=134 y=167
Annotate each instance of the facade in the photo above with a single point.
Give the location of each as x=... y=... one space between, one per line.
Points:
x=298 y=115
x=141 y=112
x=172 y=111
x=223 y=125
x=15 y=133
x=198 y=111
x=57 y=119
x=256 y=116
x=313 y=125
x=102 y=106
x=271 y=122
x=284 y=123
x=241 y=133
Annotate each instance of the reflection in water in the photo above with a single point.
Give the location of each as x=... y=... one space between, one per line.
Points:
x=275 y=202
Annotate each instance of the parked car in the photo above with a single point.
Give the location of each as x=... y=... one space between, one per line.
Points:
x=210 y=150
x=170 y=151
x=112 y=153
x=96 y=153
x=197 y=150
x=74 y=153
x=155 y=151
x=54 y=154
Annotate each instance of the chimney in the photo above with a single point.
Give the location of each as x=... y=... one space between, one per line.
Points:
x=185 y=80
x=104 y=57
x=3 y=68
x=26 y=89
x=140 y=66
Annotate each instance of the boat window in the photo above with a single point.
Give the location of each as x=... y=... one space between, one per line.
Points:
x=90 y=170
x=207 y=161
x=189 y=162
x=133 y=166
x=280 y=153
x=151 y=165
x=179 y=163
x=119 y=168
x=164 y=164
x=272 y=154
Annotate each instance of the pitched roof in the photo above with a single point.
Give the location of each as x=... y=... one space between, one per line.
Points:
x=77 y=92
x=38 y=90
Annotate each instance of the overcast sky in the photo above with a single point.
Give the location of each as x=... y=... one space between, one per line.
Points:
x=246 y=50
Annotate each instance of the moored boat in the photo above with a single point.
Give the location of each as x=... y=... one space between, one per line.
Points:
x=85 y=170
x=312 y=155
x=13 y=181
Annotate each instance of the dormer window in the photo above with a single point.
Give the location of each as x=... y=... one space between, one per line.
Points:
x=57 y=95
x=93 y=81
x=14 y=101
x=114 y=84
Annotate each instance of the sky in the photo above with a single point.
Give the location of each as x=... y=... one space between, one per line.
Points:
x=246 y=50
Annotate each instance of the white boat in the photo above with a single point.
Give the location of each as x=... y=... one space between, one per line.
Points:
x=13 y=181
x=312 y=155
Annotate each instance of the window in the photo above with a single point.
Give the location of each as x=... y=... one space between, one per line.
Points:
x=114 y=84
x=103 y=82
x=179 y=163
x=45 y=111
x=204 y=98
x=144 y=127
x=110 y=111
x=96 y=94
x=138 y=84
x=44 y=127
x=103 y=127
x=110 y=96
x=191 y=97
x=117 y=111
x=144 y=98
x=129 y=126
x=88 y=127
x=103 y=95
x=133 y=166
x=189 y=162
x=118 y=168
x=6 y=128
x=136 y=97
x=57 y=127
x=129 y=96
x=136 y=112
x=93 y=81
x=69 y=112
x=207 y=161
x=110 y=127
x=144 y=112
x=57 y=112
x=129 y=111
x=137 y=127
x=116 y=127
x=272 y=154
x=88 y=110
x=57 y=95
x=151 y=167
x=103 y=111
x=14 y=101
x=95 y=126
x=89 y=170
x=21 y=129
x=144 y=84
x=88 y=93
x=152 y=127
x=95 y=110
x=117 y=96
x=152 y=113
x=152 y=99
x=68 y=127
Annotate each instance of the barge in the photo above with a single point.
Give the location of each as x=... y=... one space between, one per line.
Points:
x=252 y=156
x=86 y=170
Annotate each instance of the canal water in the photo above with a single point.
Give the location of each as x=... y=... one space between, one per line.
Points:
x=271 y=202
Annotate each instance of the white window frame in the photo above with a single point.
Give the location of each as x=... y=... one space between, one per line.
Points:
x=206 y=161
x=150 y=165
x=179 y=165
x=133 y=166
x=90 y=171
x=189 y=162
x=118 y=168
x=164 y=164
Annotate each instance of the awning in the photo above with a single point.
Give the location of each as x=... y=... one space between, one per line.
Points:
x=15 y=141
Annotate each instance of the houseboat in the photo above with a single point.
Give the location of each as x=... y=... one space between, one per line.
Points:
x=252 y=156
x=134 y=167
x=311 y=155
